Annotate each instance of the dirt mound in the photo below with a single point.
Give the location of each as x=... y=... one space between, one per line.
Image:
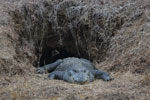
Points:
x=80 y=29
x=95 y=31
x=129 y=48
x=113 y=34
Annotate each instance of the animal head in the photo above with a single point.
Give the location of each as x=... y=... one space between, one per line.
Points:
x=78 y=75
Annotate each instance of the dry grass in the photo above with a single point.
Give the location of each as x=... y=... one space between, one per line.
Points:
x=81 y=28
x=113 y=33
x=126 y=86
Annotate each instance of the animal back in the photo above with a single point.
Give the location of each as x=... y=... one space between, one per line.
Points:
x=73 y=63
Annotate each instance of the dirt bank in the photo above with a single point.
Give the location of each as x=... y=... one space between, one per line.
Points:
x=114 y=34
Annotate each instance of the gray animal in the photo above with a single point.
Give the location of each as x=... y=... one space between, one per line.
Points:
x=74 y=70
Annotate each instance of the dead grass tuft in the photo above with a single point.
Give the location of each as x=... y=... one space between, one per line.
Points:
x=146 y=81
x=112 y=33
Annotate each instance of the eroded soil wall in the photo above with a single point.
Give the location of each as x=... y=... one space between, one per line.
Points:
x=72 y=27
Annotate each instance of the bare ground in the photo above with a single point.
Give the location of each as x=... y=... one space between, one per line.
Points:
x=126 y=86
x=128 y=61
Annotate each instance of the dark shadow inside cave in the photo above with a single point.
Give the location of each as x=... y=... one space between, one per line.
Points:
x=67 y=29
x=53 y=50
x=50 y=55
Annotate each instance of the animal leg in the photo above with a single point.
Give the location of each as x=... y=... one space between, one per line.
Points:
x=101 y=75
x=56 y=75
x=49 y=67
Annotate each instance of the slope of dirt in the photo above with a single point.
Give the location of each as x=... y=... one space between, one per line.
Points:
x=115 y=34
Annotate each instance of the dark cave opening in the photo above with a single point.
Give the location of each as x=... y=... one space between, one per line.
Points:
x=53 y=50
x=82 y=34
x=50 y=55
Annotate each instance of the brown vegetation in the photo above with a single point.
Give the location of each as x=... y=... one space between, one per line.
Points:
x=114 y=34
